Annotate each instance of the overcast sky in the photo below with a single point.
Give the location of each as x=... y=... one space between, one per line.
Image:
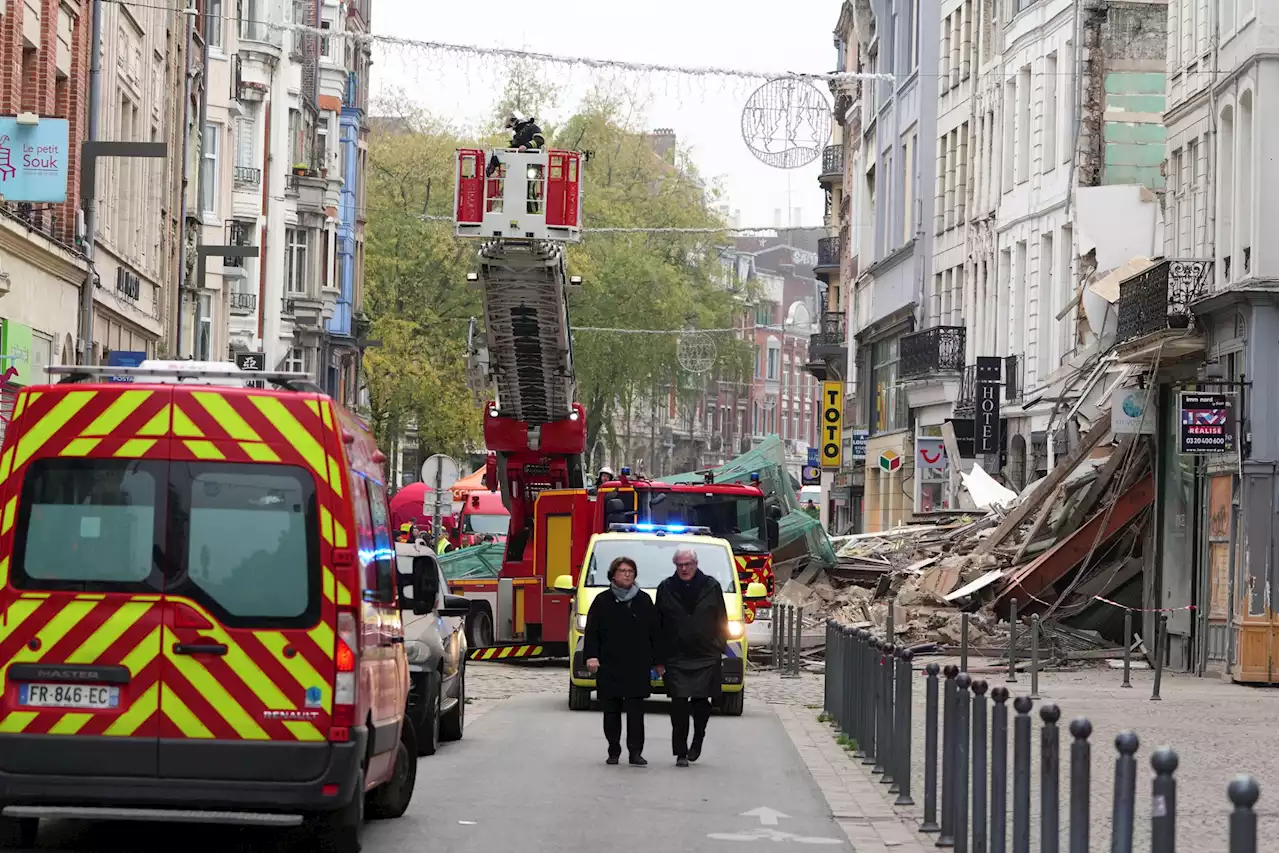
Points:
x=706 y=113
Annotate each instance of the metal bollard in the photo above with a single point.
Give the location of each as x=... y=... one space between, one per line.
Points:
x=1050 y=760
x=964 y=642
x=876 y=735
x=1164 y=801
x=979 y=753
x=946 y=837
x=775 y=629
x=999 y=768
x=1013 y=636
x=960 y=776
x=1128 y=643
x=903 y=738
x=886 y=708
x=1080 y=771
x=930 y=822
x=1125 y=791
x=1035 y=656
x=799 y=642
x=856 y=696
x=869 y=703
x=828 y=677
x=1022 y=775
x=835 y=650
x=1162 y=637
x=1243 y=793
x=784 y=641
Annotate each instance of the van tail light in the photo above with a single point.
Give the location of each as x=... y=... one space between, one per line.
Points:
x=344 y=680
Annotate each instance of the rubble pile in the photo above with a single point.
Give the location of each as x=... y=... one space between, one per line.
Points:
x=1068 y=548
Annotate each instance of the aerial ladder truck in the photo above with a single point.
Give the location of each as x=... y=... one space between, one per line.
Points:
x=524 y=206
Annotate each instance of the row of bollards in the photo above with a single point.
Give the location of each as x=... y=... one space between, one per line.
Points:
x=869 y=685
x=787 y=627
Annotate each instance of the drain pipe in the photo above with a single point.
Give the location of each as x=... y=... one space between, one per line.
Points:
x=182 y=207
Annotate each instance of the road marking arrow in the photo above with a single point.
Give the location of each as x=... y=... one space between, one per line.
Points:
x=768 y=816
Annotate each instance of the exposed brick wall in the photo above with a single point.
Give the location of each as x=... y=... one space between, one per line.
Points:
x=29 y=82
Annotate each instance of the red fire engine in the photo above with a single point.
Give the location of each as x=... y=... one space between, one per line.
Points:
x=525 y=205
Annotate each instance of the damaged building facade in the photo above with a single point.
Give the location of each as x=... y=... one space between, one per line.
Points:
x=1096 y=328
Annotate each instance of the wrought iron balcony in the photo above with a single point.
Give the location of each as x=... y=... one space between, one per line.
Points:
x=288 y=306
x=243 y=303
x=247 y=176
x=933 y=350
x=235 y=233
x=832 y=162
x=1160 y=297
x=833 y=328
x=828 y=255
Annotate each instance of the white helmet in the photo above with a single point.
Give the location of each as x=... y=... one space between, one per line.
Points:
x=606 y=473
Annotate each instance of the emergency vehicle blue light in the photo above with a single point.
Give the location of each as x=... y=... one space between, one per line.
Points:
x=676 y=528
x=647 y=528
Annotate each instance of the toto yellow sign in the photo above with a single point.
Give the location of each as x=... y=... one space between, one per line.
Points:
x=832 y=423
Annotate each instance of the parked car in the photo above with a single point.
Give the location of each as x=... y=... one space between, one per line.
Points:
x=435 y=643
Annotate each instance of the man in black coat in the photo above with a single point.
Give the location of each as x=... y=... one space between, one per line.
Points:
x=695 y=627
x=621 y=645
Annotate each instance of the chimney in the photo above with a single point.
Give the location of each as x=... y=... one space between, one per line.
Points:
x=663 y=141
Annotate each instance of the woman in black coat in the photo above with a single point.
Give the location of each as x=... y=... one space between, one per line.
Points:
x=621 y=647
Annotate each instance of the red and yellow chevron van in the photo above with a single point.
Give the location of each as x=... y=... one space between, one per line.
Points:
x=199 y=615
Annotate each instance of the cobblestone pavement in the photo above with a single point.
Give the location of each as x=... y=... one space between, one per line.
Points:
x=1217 y=729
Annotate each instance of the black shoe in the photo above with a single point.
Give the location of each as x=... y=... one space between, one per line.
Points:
x=695 y=750
x=612 y=759
x=638 y=760
x=682 y=762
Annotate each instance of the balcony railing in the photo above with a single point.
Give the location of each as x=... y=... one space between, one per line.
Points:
x=243 y=303
x=247 y=176
x=288 y=306
x=833 y=160
x=833 y=328
x=235 y=233
x=933 y=350
x=1160 y=297
x=828 y=253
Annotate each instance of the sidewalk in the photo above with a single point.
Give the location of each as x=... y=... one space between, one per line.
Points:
x=1218 y=730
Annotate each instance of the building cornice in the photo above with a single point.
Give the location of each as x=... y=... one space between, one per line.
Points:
x=42 y=253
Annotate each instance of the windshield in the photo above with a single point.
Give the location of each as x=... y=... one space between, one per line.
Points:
x=653 y=560
x=480 y=523
x=724 y=514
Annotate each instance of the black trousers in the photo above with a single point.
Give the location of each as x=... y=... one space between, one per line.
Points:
x=613 y=709
x=681 y=711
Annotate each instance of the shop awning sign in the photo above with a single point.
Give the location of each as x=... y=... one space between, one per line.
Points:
x=1205 y=423
x=931 y=453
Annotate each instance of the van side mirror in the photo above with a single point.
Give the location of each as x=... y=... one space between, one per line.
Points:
x=772 y=532
x=775 y=512
x=426 y=585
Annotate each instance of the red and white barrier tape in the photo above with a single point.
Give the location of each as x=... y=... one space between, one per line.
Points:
x=1143 y=610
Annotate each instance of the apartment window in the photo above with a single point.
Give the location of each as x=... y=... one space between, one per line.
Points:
x=299 y=8
x=322 y=145
x=246 y=144
x=212 y=144
x=913 y=33
x=1193 y=186
x=1064 y=289
x=296 y=361
x=328 y=23
x=944 y=58
x=773 y=365
x=295 y=138
x=889 y=409
x=295 y=260
x=962 y=172
x=204 y=327
x=933 y=485
x=213 y=24
x=1048 y=158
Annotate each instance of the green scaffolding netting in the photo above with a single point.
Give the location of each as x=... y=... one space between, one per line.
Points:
x=801 y=538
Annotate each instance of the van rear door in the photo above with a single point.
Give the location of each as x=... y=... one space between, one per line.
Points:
x=249 y=617
x=83 y=481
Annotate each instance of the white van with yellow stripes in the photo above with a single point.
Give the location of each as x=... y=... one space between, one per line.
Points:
x=198 y=606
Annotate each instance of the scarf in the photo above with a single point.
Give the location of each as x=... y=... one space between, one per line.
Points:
x=625 y=595
x=689 y=590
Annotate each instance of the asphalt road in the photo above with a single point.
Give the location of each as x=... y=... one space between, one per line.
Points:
x=530 y=775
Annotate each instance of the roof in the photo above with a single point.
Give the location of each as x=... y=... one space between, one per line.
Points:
x=688 y=538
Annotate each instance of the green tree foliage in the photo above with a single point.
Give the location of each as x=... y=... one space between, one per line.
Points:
x=415 y=291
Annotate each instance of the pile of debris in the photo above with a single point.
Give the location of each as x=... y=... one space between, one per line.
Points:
x=1068 y=548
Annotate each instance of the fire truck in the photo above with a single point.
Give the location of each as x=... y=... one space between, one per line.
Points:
x=525 y=206
x=735 y=512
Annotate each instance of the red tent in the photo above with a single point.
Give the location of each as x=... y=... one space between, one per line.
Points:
x=406 y=506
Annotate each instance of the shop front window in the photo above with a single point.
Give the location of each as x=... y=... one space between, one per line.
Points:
x=933 y=472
